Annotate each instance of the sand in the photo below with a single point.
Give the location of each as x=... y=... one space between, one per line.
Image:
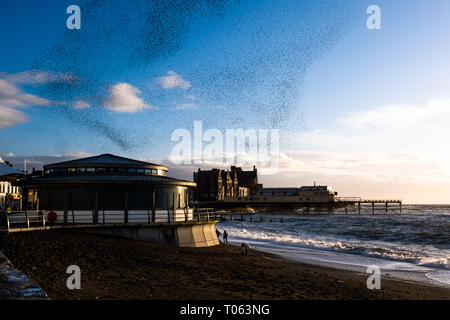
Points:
x=114 y=268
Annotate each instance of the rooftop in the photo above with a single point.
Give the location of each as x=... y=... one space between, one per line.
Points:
x=106 y=160
x=6 y=170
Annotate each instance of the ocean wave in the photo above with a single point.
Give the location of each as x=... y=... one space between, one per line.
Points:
x=421 y=255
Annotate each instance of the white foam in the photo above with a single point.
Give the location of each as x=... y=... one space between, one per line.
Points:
x=439 y=275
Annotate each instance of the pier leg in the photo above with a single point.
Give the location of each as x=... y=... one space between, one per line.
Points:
x=386 y=207
x=373 y=207
x=359 y=207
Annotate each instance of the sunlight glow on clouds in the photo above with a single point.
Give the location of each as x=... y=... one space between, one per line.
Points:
x=391 y=144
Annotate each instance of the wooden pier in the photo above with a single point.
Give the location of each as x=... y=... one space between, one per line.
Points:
x=374 y=205
x=348 y=205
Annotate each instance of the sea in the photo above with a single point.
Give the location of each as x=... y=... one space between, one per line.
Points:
x=411 y=246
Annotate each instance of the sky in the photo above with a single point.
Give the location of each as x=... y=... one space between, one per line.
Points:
x=365 y=111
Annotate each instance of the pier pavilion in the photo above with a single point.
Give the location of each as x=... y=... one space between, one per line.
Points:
x=109 y=190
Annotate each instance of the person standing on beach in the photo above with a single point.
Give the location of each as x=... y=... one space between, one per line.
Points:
x=225 y=236
x=218 y=234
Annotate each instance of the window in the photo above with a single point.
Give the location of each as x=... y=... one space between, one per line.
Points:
x=64 y=170
x=148 y=171
x=90 y=169
x=100 y=169
x=132 y=170
x=164 y=198
x=71 y=170
x=122 y=169
x=140 y=170
x=81 y=169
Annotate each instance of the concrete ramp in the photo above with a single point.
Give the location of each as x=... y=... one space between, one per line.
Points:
x=198 y=235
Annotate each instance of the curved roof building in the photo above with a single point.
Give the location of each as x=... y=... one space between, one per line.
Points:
x=108 y=185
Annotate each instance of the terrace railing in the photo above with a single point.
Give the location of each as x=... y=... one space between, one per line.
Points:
x=17 y=221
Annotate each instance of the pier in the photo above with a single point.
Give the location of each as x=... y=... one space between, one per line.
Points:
x=233 y=210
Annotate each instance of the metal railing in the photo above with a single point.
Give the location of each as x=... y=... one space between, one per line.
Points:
x=39 y=219
x=348 y=199
x=19 y=220
x=206 y=214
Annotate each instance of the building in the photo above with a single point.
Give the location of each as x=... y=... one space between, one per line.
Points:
x=213 y=185
x=9 y=195
x=218 y=184
x=108 y=187
x=302 y=194
x=248 y=179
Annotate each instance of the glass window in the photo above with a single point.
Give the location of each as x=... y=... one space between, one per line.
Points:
x=140 y=170
x=71 y=169
x=81 y=169
x=164 y=198
x=122 y=169
x=154 y=171
x=64 y=170
x=100 y=169
x=132 y=170
x=148 y=171
x=90 y=169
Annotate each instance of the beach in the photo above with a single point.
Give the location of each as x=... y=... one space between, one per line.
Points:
x=114 y=268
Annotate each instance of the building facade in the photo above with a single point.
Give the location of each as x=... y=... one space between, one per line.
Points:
x=108 y=187
x=10 y=195
x=218 y=184
x=302 y=194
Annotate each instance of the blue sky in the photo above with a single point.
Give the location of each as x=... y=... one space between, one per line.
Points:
x=359 y=109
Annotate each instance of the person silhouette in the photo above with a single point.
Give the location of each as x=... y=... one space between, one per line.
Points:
x=225 y=236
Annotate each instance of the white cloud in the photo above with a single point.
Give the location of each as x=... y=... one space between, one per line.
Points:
x=80 y=105
x=10 y=117
x=12 y=97
x=395 y=115
x=186 y=106
x=220 y=107
x=173 y=80
x=38 y=77
x=387 y=146
x=123 y=97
